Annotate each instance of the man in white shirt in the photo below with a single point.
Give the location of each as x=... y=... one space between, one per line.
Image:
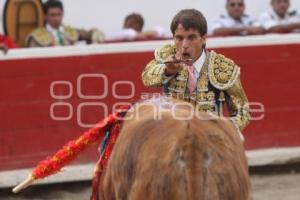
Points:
x=235 y=22
x=56 y=34
x=133 y=30
x=279 y=20
x=187 y=71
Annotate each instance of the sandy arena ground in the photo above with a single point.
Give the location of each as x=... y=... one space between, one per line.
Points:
x=279 y=186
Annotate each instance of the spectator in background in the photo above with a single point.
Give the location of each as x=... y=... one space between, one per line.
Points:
x=279 y=20
x=235 y=22
x=6 y=43
x=133 y=30
x=56 y=34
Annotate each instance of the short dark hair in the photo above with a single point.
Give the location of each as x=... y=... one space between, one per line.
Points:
x=52 y=4
x=227 y=1
x=190 y=18
x=137 y=18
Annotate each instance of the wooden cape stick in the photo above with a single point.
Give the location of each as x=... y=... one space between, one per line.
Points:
x=23 y=185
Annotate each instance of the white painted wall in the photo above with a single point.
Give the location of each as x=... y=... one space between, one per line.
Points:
x=108 y=15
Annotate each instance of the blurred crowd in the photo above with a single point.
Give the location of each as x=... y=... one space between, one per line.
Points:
x=277 y=19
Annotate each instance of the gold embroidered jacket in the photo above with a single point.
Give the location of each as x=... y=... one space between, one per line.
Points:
x=41 y=37
x=218 y=83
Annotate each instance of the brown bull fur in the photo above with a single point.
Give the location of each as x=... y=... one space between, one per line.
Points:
x=171 y=159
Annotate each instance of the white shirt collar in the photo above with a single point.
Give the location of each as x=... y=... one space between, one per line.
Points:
x=54 y=30
x=234 y=20
x=200 y=61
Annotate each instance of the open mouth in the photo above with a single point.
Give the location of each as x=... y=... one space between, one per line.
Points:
x=185 y=56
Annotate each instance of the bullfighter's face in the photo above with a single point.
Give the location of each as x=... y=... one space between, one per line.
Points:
x=189 y=43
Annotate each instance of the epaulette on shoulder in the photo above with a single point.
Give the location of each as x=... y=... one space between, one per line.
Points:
x=163 y=53
x=222 y=71
x=42 y=37
x=71 y=34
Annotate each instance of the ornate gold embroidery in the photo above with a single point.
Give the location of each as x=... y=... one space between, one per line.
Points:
x=238 y=105
x=218 y=70
x=42 y=37
x=202 y=85
x=162 y=54
x=206 y=101
x=152 y=74
x=210 y=96
x=71 y=34
x=222 y=72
